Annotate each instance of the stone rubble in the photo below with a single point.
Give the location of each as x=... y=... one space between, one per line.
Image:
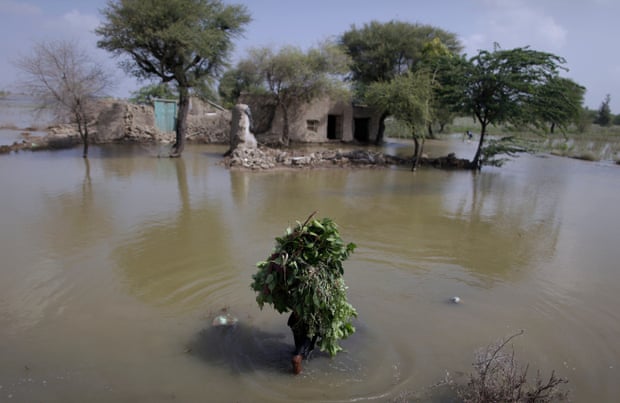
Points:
x=264 y=158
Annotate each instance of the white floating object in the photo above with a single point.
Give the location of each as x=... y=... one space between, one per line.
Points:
x=455 y=300
x=224 y=320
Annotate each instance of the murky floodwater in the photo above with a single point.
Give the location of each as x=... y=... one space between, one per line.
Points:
x=113 y=269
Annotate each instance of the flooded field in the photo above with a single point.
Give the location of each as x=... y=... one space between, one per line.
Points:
x=113 y=269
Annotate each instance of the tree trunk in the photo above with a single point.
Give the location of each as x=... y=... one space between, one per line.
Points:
x=417 y=155
x=552 y=128
x=381 y=131
x=431 y=135
x=82 y=125
x=179 y=144
x=285 y=139
x=85 y=140
x=476 y=164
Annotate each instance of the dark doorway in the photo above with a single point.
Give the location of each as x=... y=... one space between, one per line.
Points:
x=334 y=127
x=362 y=129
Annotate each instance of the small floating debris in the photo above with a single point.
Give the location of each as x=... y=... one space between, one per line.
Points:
x=225 y=320
x=455 y=300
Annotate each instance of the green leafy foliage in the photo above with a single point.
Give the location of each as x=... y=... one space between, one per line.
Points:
x=185 y=42
x=518 y=86
x=147 y=94
x=304 y=274
x=287 y=77
x=509 y=146
x=381 y=51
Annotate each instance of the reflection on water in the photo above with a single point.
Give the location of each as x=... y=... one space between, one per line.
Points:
x=114 y=267
x=182 y=258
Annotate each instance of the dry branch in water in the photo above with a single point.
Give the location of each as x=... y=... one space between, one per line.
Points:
x=498 y=377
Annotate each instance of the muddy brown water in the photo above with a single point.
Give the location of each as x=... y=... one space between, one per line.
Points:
x=111 y=273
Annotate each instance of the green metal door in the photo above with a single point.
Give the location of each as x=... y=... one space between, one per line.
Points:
x=165 y=115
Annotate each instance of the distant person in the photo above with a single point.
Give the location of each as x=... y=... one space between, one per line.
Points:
x=470 y=135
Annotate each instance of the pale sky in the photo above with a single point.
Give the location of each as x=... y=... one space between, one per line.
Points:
x=584 y=32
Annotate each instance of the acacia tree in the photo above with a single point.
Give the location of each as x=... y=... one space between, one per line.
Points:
x=559 y=102
x=289 y=77
x=408 y=98
x=502 y=86
x=66 y=80
x=383 y=51
x=186 y=42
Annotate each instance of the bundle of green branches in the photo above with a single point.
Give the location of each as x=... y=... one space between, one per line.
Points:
x=303 y=275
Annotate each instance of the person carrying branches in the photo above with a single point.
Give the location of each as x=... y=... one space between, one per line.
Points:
x=304 y=276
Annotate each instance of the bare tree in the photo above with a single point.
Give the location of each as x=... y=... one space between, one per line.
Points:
x=67 y=80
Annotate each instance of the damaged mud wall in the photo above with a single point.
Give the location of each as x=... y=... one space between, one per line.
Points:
x=120 y=121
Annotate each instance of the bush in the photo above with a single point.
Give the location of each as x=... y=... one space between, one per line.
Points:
x=303 y=275
x=498 y=377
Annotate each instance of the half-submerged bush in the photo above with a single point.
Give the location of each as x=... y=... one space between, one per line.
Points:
x=498 y=377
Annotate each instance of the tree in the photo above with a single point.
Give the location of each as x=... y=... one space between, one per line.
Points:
x=604 y=115
x=502 y=86
x=382 y=51
x=65 y=79
x=186 y=42
x=408 y=98
x=289 y=77
x=433 y=52
x=146 y=94
x=244 y=77
x=559 y=102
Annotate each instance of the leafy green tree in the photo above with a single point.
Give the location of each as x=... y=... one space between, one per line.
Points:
x=616 y=120
x=433 y=52
x=559 y=102
x=289 y=77
x=146 y=94
x=383 y=51
x=244 y=77
x=186 y=42
x=407 y=98
x=604 y=115
x=502 y=86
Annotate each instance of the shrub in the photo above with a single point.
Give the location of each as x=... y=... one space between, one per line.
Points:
x=498 y=377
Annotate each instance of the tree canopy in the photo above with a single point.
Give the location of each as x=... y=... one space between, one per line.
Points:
x=382 y=51
x=558 y=102
x=182 y=41
x=288 y=77
x=502 y=86
x=408 y=98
